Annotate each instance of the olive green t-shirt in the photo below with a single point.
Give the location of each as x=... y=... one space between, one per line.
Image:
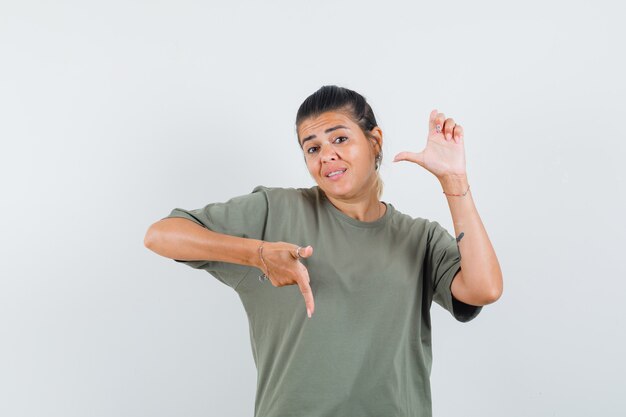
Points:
x=366 y=351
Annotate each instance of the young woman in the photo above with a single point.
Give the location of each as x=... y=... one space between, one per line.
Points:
x=368 y=272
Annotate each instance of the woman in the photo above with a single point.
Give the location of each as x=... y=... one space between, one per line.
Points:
x=367 y=271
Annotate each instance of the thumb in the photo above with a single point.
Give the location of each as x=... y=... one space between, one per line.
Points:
x=306 y=251
x=418 y=157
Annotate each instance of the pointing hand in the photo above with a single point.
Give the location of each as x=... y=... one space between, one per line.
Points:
x=281 y=265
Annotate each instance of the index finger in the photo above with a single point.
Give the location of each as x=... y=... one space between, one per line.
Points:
x=305 y=289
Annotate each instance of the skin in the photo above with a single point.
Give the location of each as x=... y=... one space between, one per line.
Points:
x=354 y=193
x=480 y=280
x=478 y=283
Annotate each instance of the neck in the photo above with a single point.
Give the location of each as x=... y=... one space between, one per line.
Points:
x=364 y=208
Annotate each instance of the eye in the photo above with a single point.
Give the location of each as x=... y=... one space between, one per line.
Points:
x=314 y=148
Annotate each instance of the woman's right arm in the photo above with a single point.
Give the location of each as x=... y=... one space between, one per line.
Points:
x=185 y=240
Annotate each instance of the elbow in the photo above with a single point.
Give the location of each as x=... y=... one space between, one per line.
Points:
x=494 y=294
x=493 y=297
x=150 y=238
x=147 y=240
x=487 y=295
x=481 y=292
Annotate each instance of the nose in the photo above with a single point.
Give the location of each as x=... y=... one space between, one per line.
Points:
x=327 y=153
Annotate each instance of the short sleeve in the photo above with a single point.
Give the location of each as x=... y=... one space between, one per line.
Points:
x=242 y=216
x=443 y=261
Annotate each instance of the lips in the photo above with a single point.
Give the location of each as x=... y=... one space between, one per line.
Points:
x=331 y=170
x=338 y=175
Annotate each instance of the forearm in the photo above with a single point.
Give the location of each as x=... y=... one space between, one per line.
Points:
x=481 y=274
x=185 y=240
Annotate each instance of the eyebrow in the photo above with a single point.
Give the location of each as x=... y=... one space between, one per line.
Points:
x=330 y=129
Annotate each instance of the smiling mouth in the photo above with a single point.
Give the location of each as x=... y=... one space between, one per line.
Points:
x=336 y=174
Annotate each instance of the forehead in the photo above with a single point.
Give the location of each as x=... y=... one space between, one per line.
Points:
x=317 y=125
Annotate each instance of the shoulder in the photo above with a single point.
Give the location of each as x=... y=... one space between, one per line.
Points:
x=288 y=194
x=421 y=222
x=422 y=231
x=405 y=222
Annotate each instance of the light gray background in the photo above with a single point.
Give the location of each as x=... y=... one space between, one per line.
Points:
x=113 y=113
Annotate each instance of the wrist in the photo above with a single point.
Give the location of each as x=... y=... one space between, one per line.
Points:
x=454 y=184
x=254 y=257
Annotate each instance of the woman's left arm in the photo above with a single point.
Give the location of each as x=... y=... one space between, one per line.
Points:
x=479 y=282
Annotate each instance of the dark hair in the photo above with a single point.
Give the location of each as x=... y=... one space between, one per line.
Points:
x=341 y=99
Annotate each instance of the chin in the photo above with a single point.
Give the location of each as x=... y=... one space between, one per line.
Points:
x=336 y=189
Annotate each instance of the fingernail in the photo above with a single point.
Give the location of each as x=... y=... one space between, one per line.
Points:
x=308 y=312
x=438 y=127
x=449 y=136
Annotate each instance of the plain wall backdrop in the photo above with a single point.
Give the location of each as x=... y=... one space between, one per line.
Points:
x=113 y=113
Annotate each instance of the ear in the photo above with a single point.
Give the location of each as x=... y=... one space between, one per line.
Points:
x=377 y=134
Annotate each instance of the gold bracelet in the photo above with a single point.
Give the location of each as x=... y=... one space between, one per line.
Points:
x=468 y=187
x=263 y=277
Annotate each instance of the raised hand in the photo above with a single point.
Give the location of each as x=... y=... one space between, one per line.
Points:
x=445 y=149
x=282 y=267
